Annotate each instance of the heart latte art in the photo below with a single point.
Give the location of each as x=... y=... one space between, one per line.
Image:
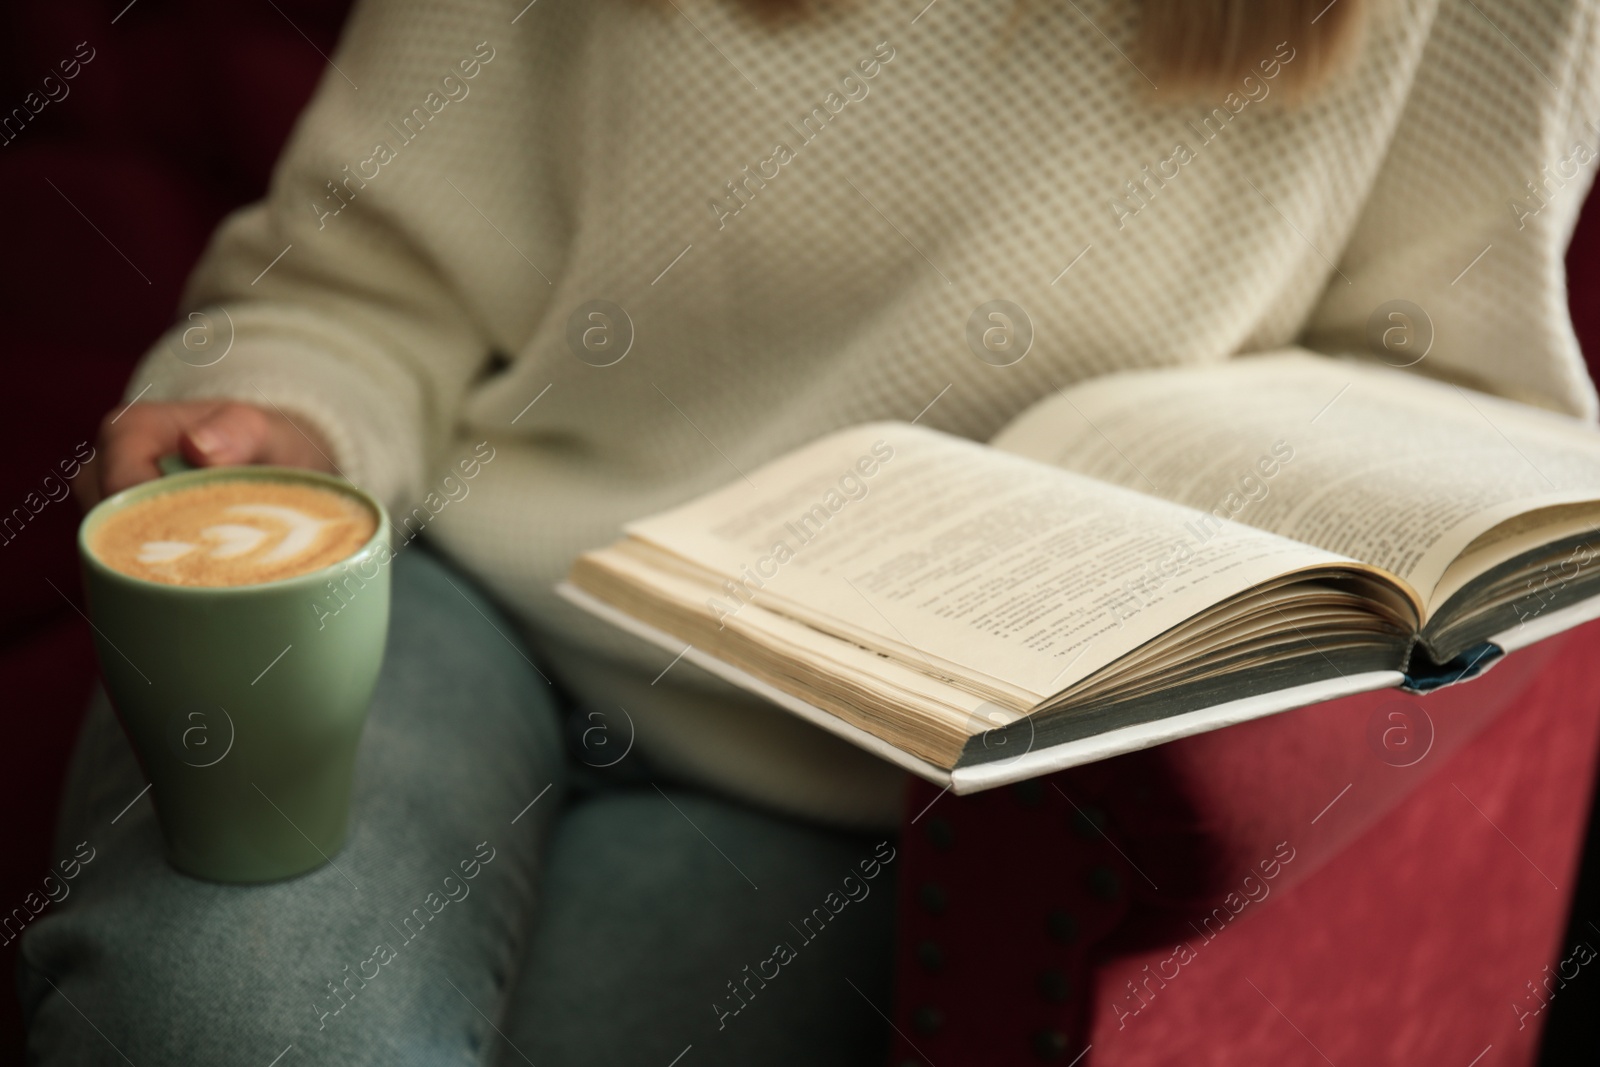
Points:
x=233 y=532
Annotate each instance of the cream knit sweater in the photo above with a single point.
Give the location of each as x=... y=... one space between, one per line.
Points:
x=788 y=229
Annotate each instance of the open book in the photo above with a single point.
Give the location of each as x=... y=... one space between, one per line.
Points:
x=1134 y=559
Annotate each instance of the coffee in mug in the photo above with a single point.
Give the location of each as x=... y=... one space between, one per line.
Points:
x=233 y=532
x=243 y=696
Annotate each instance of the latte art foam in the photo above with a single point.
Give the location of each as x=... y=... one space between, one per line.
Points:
x=240 y=532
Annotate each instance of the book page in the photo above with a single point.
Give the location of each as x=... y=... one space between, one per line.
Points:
x=1518 y=536
x=1371 y=462
x=970 y=562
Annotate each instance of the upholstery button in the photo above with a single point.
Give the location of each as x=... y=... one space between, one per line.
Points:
x=940 y=834
x=933 y=898
x=1062 y=926
x=1053 y=986
x=927 y=1019
x=1049 y=1044
x=1029 y=794
x=1104 y=883
x=1089 y=822
x=930 y=955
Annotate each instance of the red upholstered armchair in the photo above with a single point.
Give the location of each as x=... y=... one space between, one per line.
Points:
x=1429 y=921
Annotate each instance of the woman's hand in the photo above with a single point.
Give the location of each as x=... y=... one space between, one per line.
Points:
x=207 y=433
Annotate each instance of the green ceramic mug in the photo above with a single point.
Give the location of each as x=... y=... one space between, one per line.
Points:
x=244 y=703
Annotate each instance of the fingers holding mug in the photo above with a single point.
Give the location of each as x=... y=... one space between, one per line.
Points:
x=206 y=433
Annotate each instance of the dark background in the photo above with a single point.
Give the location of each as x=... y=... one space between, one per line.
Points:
x=174 y=122
x=108 y=197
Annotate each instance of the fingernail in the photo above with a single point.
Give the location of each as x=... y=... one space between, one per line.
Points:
x=207 y=440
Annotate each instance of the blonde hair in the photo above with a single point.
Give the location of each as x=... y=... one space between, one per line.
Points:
x=1192 y=46
x=1196 y=45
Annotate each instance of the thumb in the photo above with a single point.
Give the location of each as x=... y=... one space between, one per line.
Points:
x=232 y=434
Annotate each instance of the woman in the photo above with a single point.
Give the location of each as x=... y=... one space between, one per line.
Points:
x=638 y=249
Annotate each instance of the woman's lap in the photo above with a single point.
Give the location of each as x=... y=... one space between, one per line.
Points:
x=144 y=964
x=661 y=929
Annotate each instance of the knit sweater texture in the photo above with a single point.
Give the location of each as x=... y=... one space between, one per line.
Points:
x=636 y=249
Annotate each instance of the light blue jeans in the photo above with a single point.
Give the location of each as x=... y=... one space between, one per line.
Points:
x=610 y=922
